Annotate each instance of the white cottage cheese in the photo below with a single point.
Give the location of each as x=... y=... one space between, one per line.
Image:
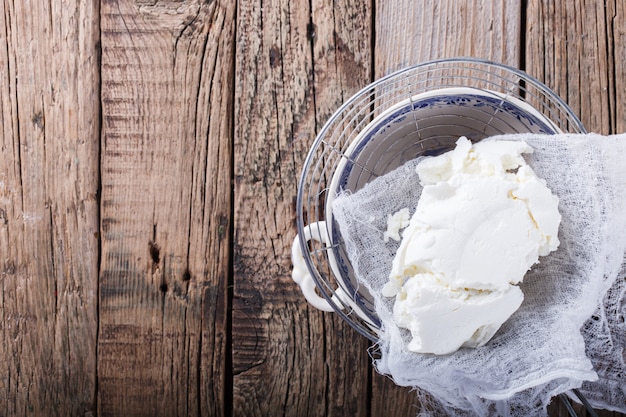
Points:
x=483 y=219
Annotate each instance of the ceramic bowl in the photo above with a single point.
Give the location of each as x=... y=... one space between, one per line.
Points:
x=426 y=124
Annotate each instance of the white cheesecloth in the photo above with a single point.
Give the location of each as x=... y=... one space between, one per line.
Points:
x=568 y=333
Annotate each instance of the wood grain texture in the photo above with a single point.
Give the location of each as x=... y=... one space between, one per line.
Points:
x=49 y=127
x=295 y=64
x=166 y=152
x=568 y=47
x=149 y=156
x=577 y=48
x=411 y=32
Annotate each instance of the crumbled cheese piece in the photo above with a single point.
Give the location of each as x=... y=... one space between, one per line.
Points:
x=396 y=222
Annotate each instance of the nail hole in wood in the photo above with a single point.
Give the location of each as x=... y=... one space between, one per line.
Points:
x=275 y=56
x=155 y=252
x=186 y=275
x=38 y=120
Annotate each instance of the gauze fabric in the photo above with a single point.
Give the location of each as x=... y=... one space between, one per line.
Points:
x=568 y=333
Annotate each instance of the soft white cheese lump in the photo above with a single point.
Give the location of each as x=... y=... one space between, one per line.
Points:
x=482 y=220
x=395 y=222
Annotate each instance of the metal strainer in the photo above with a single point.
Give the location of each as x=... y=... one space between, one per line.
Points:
x=418 y=111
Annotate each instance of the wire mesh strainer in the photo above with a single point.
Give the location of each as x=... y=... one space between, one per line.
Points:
x=418 y=111
x=421 y=110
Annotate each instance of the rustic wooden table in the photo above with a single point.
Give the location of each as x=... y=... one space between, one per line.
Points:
x=150 y=151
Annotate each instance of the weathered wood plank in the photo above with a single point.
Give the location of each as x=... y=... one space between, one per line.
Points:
x=294 y=67
x=577 y=48
x=49 y=135
x=411 y=32
x=166 y=152
x=568 y=44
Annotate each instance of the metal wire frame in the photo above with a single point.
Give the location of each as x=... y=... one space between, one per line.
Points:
x=337 y=147
x=334 y=147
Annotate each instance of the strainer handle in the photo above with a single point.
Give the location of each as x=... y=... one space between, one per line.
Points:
x=300 y=273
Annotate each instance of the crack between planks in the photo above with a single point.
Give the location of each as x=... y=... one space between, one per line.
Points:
x=523 y=34
x=228 y=383
x=522 y=45
x=18 y=135
x=275 y=95
x=369 y=395
x=336 y=59
x=292 y=363
x=100 y=140
x=325 y=355
x=50 y=17
x=53 y=274
x=311 y=35
x=373 y=42
x=611 y=76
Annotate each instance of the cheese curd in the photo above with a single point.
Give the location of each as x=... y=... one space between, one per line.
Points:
x=482 y=220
